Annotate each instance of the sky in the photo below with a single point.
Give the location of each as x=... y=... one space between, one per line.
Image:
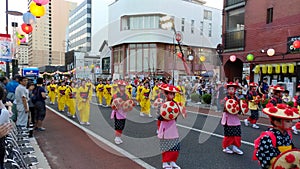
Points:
x=22 y=7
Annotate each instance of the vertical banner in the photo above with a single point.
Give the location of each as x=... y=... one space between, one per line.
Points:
x=5 y=47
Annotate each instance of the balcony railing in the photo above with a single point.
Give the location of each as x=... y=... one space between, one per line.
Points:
x=235 y=39
x=233 y=2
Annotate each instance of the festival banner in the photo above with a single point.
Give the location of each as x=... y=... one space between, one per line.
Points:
x=6 y=47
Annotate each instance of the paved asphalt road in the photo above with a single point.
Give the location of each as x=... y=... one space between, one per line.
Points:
x=201 y=139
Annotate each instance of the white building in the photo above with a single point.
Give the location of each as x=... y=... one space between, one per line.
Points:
x=140 y=45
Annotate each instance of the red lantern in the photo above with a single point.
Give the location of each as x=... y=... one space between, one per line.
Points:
x=27 y=28
x=232 y=58
x=41 y=2
x=296 y=44
x=179 y=55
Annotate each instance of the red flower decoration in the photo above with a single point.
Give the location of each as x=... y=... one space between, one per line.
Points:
x=180 y=104
x=289 y=112
x=233 y=110
x=229 y=106
x=290 y=158
x=244 y=106
x=237 y=109
x=171 y=87
x=246 y=110
x=172 y=104
x=177 y=89
x=269 y=105
x=165 y=106
x=175 y=110
x=230 y=101
x=164 y=113
x=169 y=109
x=279 y=167
x=298 y=127
x=295 y=110
x=171 y=116
x=273 y=109
x=281 y=106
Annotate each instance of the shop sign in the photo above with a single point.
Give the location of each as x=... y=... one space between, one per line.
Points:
x=290 y=46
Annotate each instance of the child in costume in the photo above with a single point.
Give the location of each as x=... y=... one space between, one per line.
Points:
x=167 y=129
x=119 y=113
x=278 y=139
x=253 y=103
x=84 y=97
x=276 y=98
x=231 y=121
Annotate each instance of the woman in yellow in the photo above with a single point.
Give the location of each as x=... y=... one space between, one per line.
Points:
x=129 y=91
x=84 y=97
x=115 y=88
x=145 y=100
x=61 y=99
x=71 y=102
x=107 y=93
x=154 y=91
x=180 y=96
x=52 y=89
x=138 y=93
x=100 y=89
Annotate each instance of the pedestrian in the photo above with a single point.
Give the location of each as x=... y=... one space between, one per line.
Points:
x=22 y=97
x=84 y=98
x=119 y=113
x=167 y=130
x=40 y=105
x=231 y=122
x=253 y=102
x=11 y=88
x=277 y=139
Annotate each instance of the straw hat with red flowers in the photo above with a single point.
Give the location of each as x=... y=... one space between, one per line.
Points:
x=287 y=160
x=231 y=84
x=277 y=88
x=169 y=88
x=122 y=82
x=282 y=111
x=253 y=84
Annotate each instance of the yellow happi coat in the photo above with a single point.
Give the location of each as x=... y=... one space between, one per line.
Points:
x=108 y=94
x=129 y=91
x=180 y=97
x=71 y=100
x=100 y=90
x=154 y=92
x=145 y=101
x=52 y=90
x=61 y=99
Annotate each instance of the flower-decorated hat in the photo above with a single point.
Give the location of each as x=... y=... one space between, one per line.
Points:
x=287 y=160
x=127 y=105
x=232 y=106
x=169 y=88
x=253 y=84
x=282 y=111
x=122 y=83
x=277 y=88
x=117 y=103
x=170 y=110
x=231 y=84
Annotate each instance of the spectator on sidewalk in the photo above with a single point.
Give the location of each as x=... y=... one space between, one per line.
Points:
x=11 y=88
x=40 y=106
x=22 y=97
x=30 y=88
x=3 y=82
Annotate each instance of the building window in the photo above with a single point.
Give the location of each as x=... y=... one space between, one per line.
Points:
x=182 y=24
x=192 y=26
x=209 y=29
x=140 y=22
x=207 y=15
x=201 y=27
x=269 y=15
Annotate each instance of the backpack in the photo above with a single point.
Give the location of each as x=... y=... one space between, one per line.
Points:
x=263 y=134
x=35 y=93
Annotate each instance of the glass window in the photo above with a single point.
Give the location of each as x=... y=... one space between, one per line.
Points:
x=269 y=15
x=192 y=26
x=182 y=24
x=209 y=30
x=235 y=20
x=201 y=27
x=207 y=15
x=139 y=60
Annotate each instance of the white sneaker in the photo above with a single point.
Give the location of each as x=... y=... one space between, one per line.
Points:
x=246 y=122
x=255 y=126
x=81 y=123
x=295 y=131
x=88 y=123
x=237 y=150
x=73 y=116
x=120 y=140
x=227 y=150
x=68 y=114
x=142 y=114
x=174 y=165
x=150 y=116
x=117 y=140
x=166 y=166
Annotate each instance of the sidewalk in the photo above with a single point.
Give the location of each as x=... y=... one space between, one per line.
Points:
x=67 y=146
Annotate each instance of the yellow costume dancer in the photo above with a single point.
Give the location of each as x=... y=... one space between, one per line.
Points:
x=138 y=93
x=52 y=89
x=129 y=91
x=100 y=89
x=154 y=92
x=115 y=88
x=61 y=96
x=145 y=101
x=71 y=102
x=107 y=93
x=84 y=98
x=180 y=96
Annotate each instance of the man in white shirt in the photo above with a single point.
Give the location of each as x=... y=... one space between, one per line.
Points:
x=22 y=97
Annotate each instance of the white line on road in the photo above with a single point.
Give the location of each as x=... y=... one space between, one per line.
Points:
x=113 y=146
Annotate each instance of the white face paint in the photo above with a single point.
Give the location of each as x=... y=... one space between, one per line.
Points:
x=231 y=90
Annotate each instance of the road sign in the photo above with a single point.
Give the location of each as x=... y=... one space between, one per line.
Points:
x=178 y=36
